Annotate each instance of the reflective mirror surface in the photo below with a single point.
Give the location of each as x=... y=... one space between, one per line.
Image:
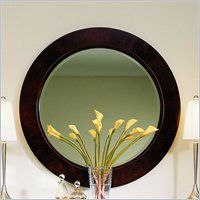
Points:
x=101 y=79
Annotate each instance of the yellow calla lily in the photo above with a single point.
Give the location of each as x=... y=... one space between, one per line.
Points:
x=110 y=132
x=130 y=123
x=99 y=115
x=137 y=130
x=106 y=154
x=118 y=123
x=74 y=129
x=93 y=133
x=97 y=124
x=73 y=136
x=53 y=131
x=149 y=130
x=128 y=137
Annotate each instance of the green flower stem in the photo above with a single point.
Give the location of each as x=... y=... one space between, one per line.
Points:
x=97 y=158
x=81 y=146
x=95 y=152
x=107 y=149
x=119 y=139
x=72 y=144
x=124 y=150
x=104 y=151
x=66 y=140
x=85 y=150
x=110 y=155
x=98 y=149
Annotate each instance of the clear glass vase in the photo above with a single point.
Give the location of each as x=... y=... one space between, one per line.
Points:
x=100 y=180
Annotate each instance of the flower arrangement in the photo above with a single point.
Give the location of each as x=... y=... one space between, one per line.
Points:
x=108 y=157
x=105 y=154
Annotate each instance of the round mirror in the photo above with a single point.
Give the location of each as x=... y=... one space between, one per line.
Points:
x=105 y=69
x=102 y=79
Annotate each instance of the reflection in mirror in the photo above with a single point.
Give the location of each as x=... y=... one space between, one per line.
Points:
x=101 y=79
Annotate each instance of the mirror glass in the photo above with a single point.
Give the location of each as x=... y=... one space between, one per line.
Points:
x=102 y=79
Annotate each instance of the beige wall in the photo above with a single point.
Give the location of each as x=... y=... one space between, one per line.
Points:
x=171 y=28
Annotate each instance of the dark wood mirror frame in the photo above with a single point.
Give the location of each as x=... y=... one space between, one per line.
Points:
x=126 y=43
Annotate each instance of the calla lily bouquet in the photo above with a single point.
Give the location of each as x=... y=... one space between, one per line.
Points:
x=109 y=154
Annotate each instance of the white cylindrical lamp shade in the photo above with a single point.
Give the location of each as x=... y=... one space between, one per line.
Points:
x=191 y=126
x=8 y=131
